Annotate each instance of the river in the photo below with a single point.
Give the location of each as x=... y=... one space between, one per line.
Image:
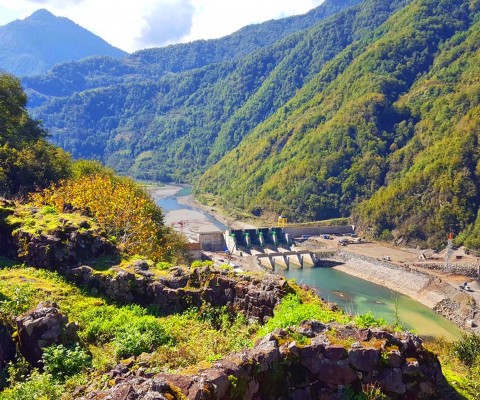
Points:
x=355 y=295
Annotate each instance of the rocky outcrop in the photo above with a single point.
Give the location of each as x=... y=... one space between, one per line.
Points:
x=42 y=327
x=7 y=347
x=280 y=368
x=183 y=288
x=62 y=249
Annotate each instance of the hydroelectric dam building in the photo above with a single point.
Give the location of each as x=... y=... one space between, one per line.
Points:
x=271 y=246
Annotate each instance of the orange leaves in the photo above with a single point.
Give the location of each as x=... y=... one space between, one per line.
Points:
x=126 y=212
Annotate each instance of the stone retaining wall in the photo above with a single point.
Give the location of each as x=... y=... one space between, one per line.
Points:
x=400 y=279
x=279 y=368
x=471 y=270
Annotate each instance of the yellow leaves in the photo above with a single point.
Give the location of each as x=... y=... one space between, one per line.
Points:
x=126 y=212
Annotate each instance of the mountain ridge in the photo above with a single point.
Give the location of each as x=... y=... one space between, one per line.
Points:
x=314 y=126
x=35 y=44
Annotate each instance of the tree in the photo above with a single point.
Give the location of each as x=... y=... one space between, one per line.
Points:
x=123 y=209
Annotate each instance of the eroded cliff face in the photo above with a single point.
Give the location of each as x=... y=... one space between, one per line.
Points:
x=278 y=367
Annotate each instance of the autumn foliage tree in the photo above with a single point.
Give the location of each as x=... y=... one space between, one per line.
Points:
x=123 y=209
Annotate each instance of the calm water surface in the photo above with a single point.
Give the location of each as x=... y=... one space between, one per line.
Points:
x=358 y=296
x=355 y=295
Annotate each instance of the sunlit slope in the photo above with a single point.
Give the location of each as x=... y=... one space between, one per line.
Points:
x=346 y=134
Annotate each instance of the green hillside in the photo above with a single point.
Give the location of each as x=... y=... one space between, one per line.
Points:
x=393 y=116
x=165 y=128
x=370 y=112
x=35 y=44
x=65 y=79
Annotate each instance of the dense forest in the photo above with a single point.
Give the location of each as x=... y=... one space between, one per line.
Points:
x=387 y=130
x=369 y=112
x=157 y=114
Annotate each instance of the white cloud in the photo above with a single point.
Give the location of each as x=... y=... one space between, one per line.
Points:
x=166 y=23
x=131 y=25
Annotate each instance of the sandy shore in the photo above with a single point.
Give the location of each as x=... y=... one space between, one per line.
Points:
x=187 y=220
x=229 y=222
x=161 y=192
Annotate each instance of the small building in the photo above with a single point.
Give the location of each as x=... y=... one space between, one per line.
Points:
x=211 y=241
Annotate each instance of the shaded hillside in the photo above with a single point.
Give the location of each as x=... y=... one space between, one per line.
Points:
x=398 y=109
x=35 y=44
x=152 y=63
x=174 y=127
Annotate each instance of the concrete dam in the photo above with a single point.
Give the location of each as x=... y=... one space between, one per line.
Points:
x=276 y=246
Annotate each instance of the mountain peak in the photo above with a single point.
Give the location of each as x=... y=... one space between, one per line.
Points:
x=42 y=13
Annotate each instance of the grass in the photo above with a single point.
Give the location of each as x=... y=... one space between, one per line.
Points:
x=182 y=342
x=459 y=376
x=110 y=332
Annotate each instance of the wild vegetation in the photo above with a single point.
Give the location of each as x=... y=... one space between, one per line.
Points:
x=27 y=160
x=356 y=115
x=383 y=115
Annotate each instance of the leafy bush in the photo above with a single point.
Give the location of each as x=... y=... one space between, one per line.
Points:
x=199 y=264
x=368 y=320
x=291 y=311
x=142 y=335
x=49 y=210
x=22 y=299
x=130 y=330
x=61 y=361
x=123 y=209
x=467 y=349
x=37 y=386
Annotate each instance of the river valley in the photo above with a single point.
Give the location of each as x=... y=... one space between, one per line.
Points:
x=356 y=296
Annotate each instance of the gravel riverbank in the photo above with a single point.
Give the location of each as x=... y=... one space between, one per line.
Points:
x=459 y=306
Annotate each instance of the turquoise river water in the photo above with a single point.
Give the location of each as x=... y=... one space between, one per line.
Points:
x=355 y=295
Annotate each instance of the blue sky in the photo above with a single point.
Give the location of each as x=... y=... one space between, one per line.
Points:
x=136 y=24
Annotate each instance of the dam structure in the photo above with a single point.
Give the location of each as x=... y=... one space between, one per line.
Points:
x=275 y=247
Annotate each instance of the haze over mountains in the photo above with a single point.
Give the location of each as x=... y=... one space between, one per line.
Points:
x=368 y=108
x=35 y=44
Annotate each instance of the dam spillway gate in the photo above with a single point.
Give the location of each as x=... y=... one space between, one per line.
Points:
x=271 y=246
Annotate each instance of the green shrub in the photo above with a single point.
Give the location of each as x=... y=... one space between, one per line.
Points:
x=162 y=265
x=22 y=300
x=291 y=311
x=368 y=320
x=37 y=386
x=467 y=349
x=199 y=264
x=143 y=335
x=46 y=210
x=129 y=329
x=61 y=361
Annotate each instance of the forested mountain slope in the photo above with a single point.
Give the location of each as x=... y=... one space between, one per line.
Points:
x=65 y=79
x=388 y=129
x=371 y=112
x=176 y=126
x=35 y=44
